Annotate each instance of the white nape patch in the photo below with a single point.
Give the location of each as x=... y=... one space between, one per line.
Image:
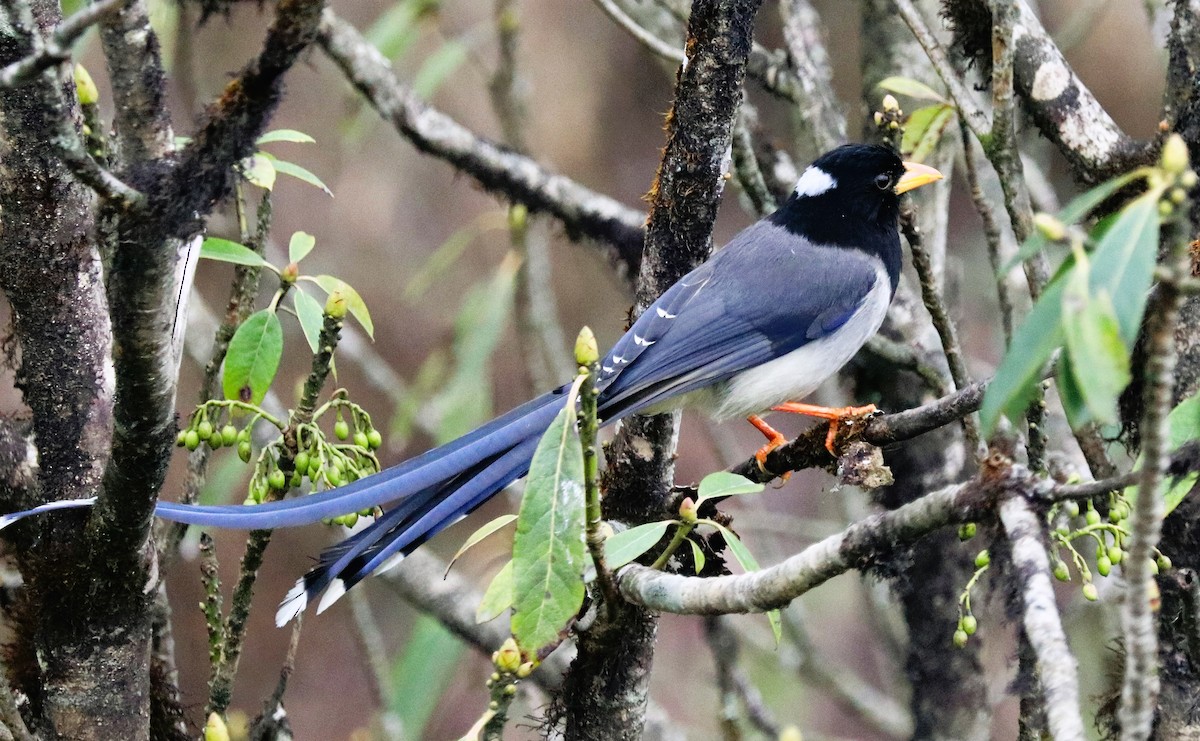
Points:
x=663 y=313
x=797 y=374
x=293 y=604
x=332 y=594
x=814 y=182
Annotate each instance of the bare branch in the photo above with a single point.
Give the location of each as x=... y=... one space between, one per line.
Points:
x=583 y=212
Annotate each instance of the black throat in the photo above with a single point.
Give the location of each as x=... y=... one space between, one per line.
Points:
x=867 y=224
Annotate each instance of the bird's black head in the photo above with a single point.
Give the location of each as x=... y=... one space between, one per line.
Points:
x=850 y=198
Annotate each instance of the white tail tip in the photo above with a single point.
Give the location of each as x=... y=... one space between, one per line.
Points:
x=293 y=604
x=332 y=594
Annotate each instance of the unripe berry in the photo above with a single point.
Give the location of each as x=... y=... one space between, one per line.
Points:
x=333 y=476
x=341 y=430
x=181 y=438
x=1092 y=517
x=191 y=440
x=982 y=559
x=966 y=531
x=229 y=435
x=1090 y=593
x=961 y=638
x=360 y=439
x=204 y=430
x=1115 y=554
x=969 y=624
x=1103 y=566
x=374 y=439
x=1061 y=572
x=244 y=451
x=1163 y=563
x=276 y=480
x=1071 y=507
x=302 y=461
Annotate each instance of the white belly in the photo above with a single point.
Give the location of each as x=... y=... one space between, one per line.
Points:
x=799 y=373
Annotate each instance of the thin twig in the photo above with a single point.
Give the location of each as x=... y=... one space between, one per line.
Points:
x=643 y=36
x=993 y=235
x=1139 y=691
x=968 y=106
x=617 y=228
x=931 y=295
x=57 y=49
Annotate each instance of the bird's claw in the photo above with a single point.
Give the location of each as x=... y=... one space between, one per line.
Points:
x=852 y=417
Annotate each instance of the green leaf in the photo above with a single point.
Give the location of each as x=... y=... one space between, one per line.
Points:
x=311 y=316
x=549 y=556
x=354 y=302
x=285 y=135
x=1099 y=359
x=439 y=66
x=259 y=171
x=747 y=561
x=1070 y=394
x=253 y=357
x=725 y=484
x=296 y=171
x=485 y=530
x=1183 y=424
x=912 y=88
x=623 y=547
x=215 y=248
x=421 y=673
x=300 y=245
x=1078 y=209
x=924 y=130
x=1035 y=340
x=498 y=597
x=697 y=555
x=1123 y=261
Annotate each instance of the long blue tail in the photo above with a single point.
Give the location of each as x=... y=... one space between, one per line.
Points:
x=427 y=493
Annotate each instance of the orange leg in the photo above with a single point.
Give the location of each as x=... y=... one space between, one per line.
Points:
x=775 y=438
x=834 y=414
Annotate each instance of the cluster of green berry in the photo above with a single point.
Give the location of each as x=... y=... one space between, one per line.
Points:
x=1068 y=523
x=967 y=624
x=325 y=464
x=1110 y=537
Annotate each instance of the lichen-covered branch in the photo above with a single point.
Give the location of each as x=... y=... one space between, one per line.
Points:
x=57 y=48
x=1043 y=629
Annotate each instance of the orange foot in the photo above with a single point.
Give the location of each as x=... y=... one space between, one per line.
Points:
x=775 y=438
x=835 y=415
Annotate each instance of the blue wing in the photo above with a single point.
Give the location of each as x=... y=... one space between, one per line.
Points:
x=749 y=304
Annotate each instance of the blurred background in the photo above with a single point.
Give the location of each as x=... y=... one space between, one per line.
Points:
x=426 y=249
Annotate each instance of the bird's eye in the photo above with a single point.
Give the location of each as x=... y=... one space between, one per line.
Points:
x=883 y=181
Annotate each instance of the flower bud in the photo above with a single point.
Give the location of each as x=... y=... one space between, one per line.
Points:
x=687 y=510
x=1174 y=158
x=890 y=104
x=524 y=670
x=508 y=658
x=586 y=350
x=1049 y=227
x=85 y=87
x=290 y=273
x=215 y=729
x=335 y=305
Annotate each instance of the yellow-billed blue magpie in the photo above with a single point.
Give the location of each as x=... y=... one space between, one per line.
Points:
x=762 y=323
